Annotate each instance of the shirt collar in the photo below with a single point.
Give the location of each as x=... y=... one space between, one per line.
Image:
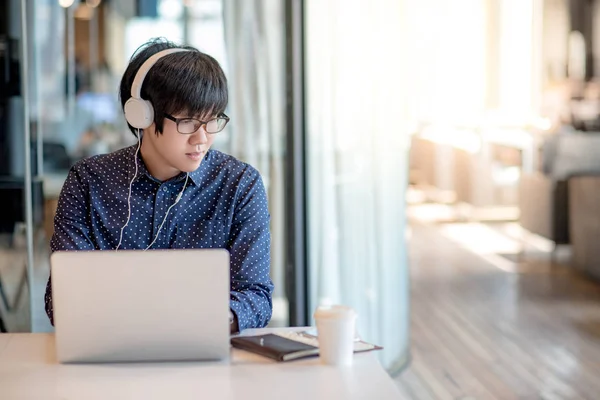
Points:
x=195 y=176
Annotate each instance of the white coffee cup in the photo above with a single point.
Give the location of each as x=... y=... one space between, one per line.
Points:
x=335 y=330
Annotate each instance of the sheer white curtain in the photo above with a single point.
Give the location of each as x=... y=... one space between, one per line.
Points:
x=357 y=161
x=255 y=40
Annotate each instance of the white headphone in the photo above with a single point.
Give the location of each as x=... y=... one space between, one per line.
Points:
x=139 y=112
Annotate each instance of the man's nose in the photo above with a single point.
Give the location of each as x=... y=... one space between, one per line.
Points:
x=199 y=137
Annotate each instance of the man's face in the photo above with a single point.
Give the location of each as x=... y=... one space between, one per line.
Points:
x=180 y=152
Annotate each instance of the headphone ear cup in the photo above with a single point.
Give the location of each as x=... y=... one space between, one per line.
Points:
x=139 y=113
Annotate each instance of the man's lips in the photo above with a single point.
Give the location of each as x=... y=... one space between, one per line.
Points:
x=196 y=155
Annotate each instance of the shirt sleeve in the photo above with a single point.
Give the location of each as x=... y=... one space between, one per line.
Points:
x=71 y=224
x=250 y=250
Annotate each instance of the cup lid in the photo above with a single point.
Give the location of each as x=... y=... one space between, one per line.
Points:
x=334 y=312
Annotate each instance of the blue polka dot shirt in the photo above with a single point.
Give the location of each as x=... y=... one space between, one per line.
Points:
x=224 y=205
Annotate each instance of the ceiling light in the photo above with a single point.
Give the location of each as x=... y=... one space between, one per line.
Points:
x=66 y=3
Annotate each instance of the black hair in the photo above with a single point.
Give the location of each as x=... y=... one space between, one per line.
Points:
x=189 y=82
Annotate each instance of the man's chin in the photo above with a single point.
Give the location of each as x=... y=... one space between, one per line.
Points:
x=190 y=165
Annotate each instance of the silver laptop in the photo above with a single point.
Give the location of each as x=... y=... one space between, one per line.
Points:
x=133 y=306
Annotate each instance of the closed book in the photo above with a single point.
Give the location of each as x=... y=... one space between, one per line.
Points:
x=275 y=347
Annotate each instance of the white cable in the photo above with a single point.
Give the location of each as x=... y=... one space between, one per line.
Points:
x=169 y=209
x=130 y=187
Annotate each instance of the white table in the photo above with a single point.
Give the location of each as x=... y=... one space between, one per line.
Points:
x=29 y=370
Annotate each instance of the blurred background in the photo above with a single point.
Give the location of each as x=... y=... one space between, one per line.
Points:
x=431 y=163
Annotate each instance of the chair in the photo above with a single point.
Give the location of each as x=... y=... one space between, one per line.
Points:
x=544 y=194
x=544 y=207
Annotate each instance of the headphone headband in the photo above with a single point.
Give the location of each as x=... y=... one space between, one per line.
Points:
x=136 y=86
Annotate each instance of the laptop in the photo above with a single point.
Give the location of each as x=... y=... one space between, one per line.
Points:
x=136 y=306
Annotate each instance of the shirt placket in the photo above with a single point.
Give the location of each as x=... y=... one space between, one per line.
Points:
x=161 y=205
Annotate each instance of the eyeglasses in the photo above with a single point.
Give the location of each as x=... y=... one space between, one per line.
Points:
x=187 y=126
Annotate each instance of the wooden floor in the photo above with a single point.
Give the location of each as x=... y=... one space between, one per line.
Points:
x=479 y=332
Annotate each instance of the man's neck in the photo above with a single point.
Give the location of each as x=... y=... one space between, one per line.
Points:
x=155 y=163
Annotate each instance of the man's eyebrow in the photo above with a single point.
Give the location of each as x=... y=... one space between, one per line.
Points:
x=207 y=117
x=186 y=114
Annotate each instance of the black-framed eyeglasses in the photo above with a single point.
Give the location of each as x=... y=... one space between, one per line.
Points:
x=187 y=126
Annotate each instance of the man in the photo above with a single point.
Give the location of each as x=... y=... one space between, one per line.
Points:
x=171 y=191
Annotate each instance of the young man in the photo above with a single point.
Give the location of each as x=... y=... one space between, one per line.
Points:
x=171 y=191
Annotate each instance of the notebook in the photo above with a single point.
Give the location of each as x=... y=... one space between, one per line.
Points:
x=289 y=345
x=274 y=346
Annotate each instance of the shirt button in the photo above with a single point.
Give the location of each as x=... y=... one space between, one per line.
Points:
x=165 y=189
